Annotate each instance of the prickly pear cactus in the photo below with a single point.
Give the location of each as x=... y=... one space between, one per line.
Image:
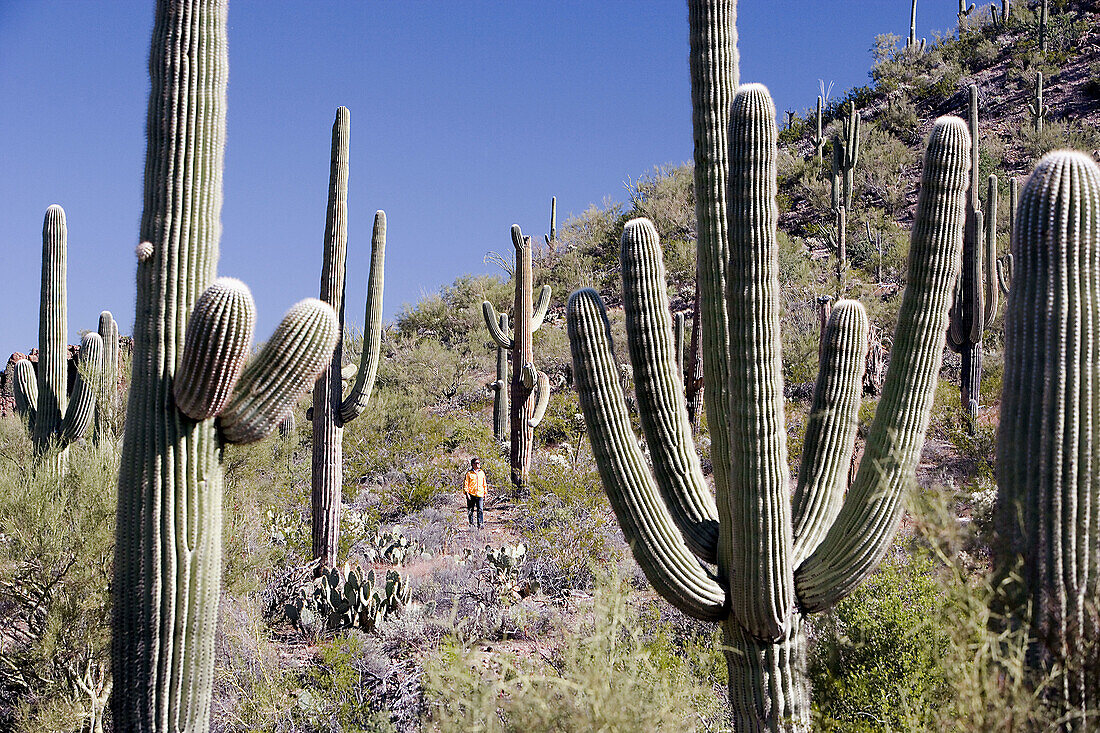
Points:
x=348 y=598
x=192 y=388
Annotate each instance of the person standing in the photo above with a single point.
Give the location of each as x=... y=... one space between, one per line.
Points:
x=475 y=492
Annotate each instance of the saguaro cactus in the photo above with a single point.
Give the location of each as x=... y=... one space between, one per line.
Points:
x=1048 y=476
x=55 y=420
x=500 y=388
x=975 y=304
x=553 y=235
x=1038 y=110
x=530 y=391
x=911 y=42
x=106 y=406
x=845 y=157
x=192 y=335
x=1043 y=26
x=777 y=558
x=1000 y=20
x=331 y=410
x=818 y=139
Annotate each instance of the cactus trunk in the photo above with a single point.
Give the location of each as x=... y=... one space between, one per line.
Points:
x=522 y=395
x=1048 y=468
x=168 y=552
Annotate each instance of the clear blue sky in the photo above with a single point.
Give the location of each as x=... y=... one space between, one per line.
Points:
x=466 y=117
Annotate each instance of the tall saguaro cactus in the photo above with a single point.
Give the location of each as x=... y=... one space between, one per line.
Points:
x=778 y=558
x=845 y=158
x=530 y=389
x=191 y=390
x=976 y=293
x=1048 y=475
x=56 y=421
x=331 y=410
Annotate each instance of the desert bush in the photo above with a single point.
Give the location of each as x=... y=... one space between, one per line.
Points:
x=880 y=175
x=615 y=673
x=569 y=531
x=56 y=552
x=1058 y=135
x=875 y=659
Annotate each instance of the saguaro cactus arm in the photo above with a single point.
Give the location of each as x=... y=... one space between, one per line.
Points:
x=357 y=400
x=81 y=408
x=542 y=398
x=541 y=306
x=758 y=552
x=831 y=427
x=873 y=509
x=658 y=546
x=283 y=371
x=218 y=341
x=26 y=391
x=500 y=335
x=658 y=386
x=992 y=279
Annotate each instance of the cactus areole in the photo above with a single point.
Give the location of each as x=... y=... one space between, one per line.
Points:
x=530 y=388
x=778 y=555
x=190 y=341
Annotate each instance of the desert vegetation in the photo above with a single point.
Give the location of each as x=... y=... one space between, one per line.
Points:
x=873 y=511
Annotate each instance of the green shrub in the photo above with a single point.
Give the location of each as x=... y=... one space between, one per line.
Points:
x=875 y=660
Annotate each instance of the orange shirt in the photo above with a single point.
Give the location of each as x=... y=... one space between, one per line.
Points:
x=475 y=483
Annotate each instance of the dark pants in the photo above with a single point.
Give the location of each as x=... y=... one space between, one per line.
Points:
x=478 y=503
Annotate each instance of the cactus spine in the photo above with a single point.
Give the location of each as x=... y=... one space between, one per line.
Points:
x=777 y=558
x=106 y=406
x=1048 y=477
x=1039 y=111
x=500 y=389
x=330 y=409
x=976 y=293
x=55 y=420
x=168 y=552
x=530 y=388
